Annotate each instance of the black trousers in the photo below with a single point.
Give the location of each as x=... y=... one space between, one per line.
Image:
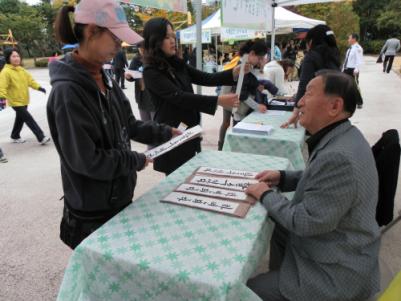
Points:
x=388 y=59
x=23 y=116
x=350 y=71
x=266 y=285
x=120 y=77
x=76 y=226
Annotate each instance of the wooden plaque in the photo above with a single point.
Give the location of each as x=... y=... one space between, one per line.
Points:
x=224 y=194
x=236 y=184
x=209 y=204
x=226 y=172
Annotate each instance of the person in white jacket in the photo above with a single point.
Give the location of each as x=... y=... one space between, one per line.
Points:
x=277 y=72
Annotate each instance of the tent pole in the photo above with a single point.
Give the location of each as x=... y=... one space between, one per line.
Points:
x=273 y=35
x=217 y=54
x=198 y=9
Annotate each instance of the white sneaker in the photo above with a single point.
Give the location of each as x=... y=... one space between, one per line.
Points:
x=19 y=140
x=45 y=140
x=3 y=159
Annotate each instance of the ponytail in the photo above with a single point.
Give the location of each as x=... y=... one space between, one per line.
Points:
x=64 y=30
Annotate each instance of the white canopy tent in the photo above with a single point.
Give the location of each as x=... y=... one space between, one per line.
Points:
x=276 y=4
x=285 y=22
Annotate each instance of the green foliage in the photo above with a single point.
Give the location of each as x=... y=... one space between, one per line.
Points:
x=9 y=6
x=378 y=20
x=389 y=19
x=372 y=46
x=339 y=16
x=26 y=25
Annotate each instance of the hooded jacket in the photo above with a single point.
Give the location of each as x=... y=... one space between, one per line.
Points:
x=92 y=133
x=14 y=84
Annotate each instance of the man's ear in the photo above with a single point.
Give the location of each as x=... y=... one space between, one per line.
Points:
x=336 y=106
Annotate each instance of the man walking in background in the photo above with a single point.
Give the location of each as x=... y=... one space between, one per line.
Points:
x=353 y=59
x=120 y=62
x=390 y=49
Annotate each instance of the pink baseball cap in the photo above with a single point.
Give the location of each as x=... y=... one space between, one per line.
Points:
x=108 y=14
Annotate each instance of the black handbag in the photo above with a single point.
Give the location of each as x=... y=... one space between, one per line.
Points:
x=380 y=59
x=280 y=104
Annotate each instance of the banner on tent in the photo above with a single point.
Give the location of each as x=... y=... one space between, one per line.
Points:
x=171 y=5
x=249 y=14
x=189 y=37
x=238 y=34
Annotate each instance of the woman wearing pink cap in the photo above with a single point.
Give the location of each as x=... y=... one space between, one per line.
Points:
x=91 y=120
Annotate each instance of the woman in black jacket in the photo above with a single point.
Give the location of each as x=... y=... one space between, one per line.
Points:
x=322 y=53
x=142 y=98
x=168 y=79
x=91 y=121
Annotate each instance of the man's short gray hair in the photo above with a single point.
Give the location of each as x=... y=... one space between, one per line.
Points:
x=343 y=85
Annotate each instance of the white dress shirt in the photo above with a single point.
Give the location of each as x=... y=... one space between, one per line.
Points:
x=354 y=57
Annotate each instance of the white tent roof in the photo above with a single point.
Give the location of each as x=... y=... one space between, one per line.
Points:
x=301 y=2
x=288 y=19
x=285 y=22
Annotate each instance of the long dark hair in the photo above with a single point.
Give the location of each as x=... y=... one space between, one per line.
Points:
x=154 y=33
x=324 y=42
x=257 y=46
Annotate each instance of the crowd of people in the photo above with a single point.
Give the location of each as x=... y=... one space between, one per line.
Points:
x=326 y=238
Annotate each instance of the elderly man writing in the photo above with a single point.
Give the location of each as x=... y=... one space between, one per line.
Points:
x=326 y=241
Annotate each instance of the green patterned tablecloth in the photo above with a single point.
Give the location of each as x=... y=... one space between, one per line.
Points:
x=287 y=143
x=159 y=251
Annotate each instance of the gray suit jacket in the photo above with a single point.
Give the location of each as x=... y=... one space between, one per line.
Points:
x=391 y=47
x=333 y=245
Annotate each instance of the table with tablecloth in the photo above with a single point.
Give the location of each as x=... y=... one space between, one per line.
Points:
x=159 y=251
x=287 y=143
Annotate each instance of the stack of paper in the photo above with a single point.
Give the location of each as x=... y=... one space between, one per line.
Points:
x=253 y=128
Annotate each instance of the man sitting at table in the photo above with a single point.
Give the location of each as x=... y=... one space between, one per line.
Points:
x=326 y=241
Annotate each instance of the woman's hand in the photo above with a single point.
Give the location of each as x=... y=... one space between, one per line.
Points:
x=228 y=100
x=293 y=119
x=175 y=132
x=237 y=70
x=262 y=108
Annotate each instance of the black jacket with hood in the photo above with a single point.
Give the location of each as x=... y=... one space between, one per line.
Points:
x=92 y=133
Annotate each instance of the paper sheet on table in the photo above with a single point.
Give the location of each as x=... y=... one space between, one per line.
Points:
x=269 y=113
x=134 y=74
x=253 y=128
x=188 y=135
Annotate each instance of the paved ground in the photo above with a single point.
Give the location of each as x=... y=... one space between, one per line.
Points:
x=32 y=257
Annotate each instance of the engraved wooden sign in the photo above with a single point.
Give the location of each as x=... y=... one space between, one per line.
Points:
x=224 y=194
x=209 y=204
x=220 y=182
x=227 y=172
x=188 y=135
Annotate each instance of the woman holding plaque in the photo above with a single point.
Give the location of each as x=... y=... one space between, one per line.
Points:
x=91 y=120
x=168 y=79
